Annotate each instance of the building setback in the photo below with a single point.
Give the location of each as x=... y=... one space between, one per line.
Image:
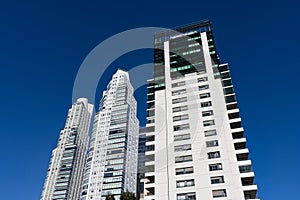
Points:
x=197 y=149
x=66 y=167
x=111 y=166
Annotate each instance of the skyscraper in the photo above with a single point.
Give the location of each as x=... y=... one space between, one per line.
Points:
x=197 y=149
x=65 y=171
x=111 y=166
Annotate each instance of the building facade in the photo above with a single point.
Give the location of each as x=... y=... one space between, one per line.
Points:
x=197 y=149
x=66 y=167
x=142 y=159
x=111 y=166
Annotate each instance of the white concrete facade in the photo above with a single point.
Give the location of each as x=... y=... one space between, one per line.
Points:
x=199 y=149
x=66 y=167
x=111 y=166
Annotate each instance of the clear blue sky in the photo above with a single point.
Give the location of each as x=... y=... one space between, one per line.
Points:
x=43 y=45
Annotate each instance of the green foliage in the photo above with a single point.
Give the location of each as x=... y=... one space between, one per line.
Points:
x=110 y=197
x=127 y=196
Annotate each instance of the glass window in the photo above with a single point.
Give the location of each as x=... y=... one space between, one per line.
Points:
x=210 y=133
x=149 y=168
x=185 y=183
x=186 y=196
x=180 y=117
x=181 y=159
x=203 y=87
x=179 y=100
x=184 y=147
x=219 y=193
x=207 y=113
x=178 y=92
x=212 y=143
x=150 y=157
x=215 y=167
x=206 y=104
x=229 y=90
x=182 y=137
x=204 y=95
x=227 y=83
x=150 y=147
x=208 y=122
x=202 y=79
x=180 y=108
x=230 y=99
x=186 y=170
x=212 y=155
x=181 y=127
x=245 y=168
x=150 y=138
x=178 y=84
x=217 y=179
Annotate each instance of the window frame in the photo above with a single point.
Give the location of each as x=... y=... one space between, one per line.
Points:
x=213 y=155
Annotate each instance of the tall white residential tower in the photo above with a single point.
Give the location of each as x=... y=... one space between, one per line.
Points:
x=65 y=171
x=197 y=149
x=111 y=166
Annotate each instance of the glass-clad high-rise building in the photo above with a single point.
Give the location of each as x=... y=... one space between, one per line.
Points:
x=197 y=149
x=65 y=171
x=111 y=166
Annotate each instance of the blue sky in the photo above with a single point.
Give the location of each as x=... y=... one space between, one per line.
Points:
x=43 y=44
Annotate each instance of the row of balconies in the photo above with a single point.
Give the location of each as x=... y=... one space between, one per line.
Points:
x=242 y=152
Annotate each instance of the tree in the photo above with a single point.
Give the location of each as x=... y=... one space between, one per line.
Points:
x=110 y=197
x=127 y=196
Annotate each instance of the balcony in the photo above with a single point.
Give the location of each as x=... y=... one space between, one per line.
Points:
x=149 y=191
x=242 y=156
x=250 y=192
x=148 y=163
x=245 y=162
x=238 y=145
x=231 y=106
x=239 y=140
x=149 y=180
x=236 y=110
x=149 y=168
x=242 y=151
x=245 y=168
x=247 y=174
x=246 y=181
x=234 y=115
x=237 y=133
x=236 y=123
x=230 y=98
x=150 y=157
x=250 y=188
x=235 y=120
